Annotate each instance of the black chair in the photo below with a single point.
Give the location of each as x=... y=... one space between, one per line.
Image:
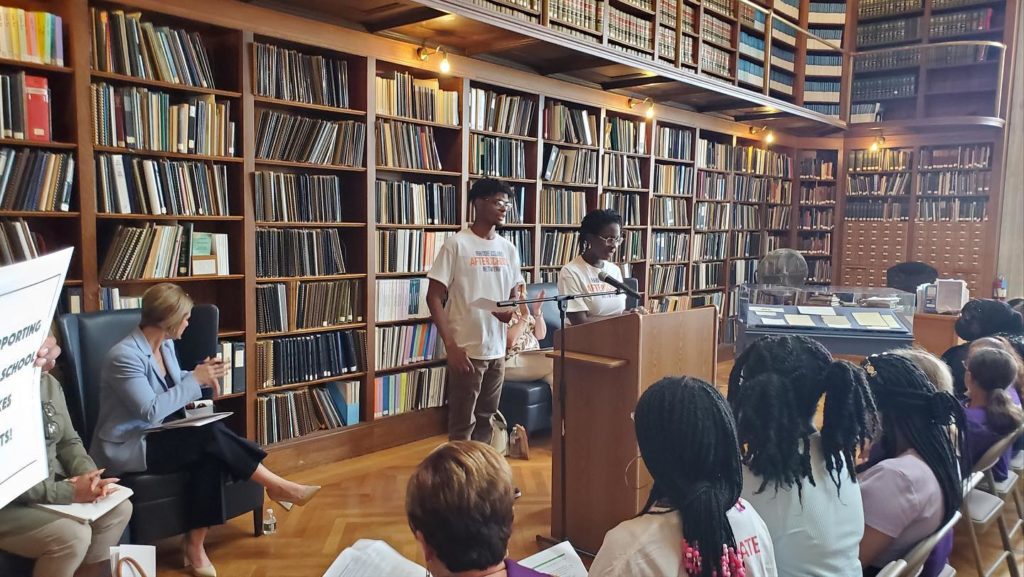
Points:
x=160 y=501
x=907 y=276
x=528 y=403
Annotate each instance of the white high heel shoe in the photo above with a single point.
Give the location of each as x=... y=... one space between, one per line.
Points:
x=208 y=571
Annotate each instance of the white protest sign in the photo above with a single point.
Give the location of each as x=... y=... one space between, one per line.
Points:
x=29 y=292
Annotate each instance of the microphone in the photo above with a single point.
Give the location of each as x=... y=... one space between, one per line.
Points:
x=609 y=279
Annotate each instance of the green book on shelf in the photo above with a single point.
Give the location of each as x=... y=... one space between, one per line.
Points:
x=202 y=244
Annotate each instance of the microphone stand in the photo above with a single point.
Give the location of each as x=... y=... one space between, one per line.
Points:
x=562 y=301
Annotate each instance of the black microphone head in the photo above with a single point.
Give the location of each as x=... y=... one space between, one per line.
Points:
x=603 y=275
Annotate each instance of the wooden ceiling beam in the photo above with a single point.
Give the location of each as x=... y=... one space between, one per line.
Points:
x=410 y=16
x=501 y=46
x=570 y=64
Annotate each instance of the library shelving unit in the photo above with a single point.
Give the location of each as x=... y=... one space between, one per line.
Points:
x=925 y=59
x=823 y=71
x=711 y=217
x=626 y=184
x=671 y=211
x=817 y=213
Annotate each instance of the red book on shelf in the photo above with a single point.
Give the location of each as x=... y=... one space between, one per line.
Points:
x=37 y=108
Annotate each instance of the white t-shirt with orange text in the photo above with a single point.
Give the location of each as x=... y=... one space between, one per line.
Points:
x=474 y=268
x=578 y=277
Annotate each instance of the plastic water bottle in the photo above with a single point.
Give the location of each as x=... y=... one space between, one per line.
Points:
x=269 y=523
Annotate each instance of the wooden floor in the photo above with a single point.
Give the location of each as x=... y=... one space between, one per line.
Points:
x=363 y=498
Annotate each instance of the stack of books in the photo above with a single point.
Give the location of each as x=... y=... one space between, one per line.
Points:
x=291 y=75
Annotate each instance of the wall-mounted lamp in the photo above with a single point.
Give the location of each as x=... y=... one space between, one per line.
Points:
x=878 y=143
x=769 y=134
x=633 y=103
x=424 y=54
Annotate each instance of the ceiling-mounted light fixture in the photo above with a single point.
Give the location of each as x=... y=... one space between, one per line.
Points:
x=649 y=113
x=424 y=54
x=878 y=143
x=769 y=134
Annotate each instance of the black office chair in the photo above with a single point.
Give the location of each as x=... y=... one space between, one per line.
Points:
x=160 y=501
x=907 y=276
x=528 y=403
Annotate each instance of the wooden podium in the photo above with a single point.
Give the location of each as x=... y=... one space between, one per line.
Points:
x=609 y=363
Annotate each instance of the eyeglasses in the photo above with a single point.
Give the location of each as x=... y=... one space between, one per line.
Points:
x=612 y=240
x=50 y=412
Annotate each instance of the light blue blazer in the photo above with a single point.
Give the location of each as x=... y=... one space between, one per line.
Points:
x=134 y=398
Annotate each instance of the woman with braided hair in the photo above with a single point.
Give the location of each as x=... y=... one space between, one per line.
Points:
x=917 y=486
x=694 y=523
x=801 y=481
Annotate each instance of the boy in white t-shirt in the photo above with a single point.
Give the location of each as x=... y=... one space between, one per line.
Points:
x=477 y=263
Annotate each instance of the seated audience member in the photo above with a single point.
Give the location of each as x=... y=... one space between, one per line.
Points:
x=142 y=386
x=801 y=481
x=979 y=318
x=932 y=366
x=61 y=546
x=459 y=505
x=600 y=237
x=991 y=413
x=1007 y=344
x=916 y=486
x=694 y=522
x=526 y=329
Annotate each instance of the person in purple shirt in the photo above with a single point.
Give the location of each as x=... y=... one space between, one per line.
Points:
x=991 y=413
x=459 y=505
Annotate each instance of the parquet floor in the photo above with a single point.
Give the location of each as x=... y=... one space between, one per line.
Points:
x=364 y=498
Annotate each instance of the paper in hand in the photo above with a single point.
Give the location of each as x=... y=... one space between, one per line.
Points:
x=558 y=561
x=371 y=558
x=490 y=306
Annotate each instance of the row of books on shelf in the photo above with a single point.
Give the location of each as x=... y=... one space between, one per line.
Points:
x=558 y=247
x=886 y=60
x=711 y=216
x=562 y=205
x=287 y=74
x=885 y=87
x=408 y=250
x=952 y=210
x=165 y=251
x=751 y=45
x=632 y=248
x=781 y=81
x=630 y=29
x=674 y=143
x=711 y=185
x=708 y=275
x=31 y=36
x=572 y=165
x=523 y=241
x=626 y=204
x=297 y=197
x=745 y=217
x=293 y=414
x=876 y=210
x=879 y=8
x=111 y=299
x=817 y=168
x=716 y=61
x=668 y=304
x=497 y=157
x=815 y=245
x=625 y=135
x=715 y=29
x=959 y=23
x=136 y=117
x=823 y=108
x=308 y=305
x=819 y=271
x=124 y=44
x=822 y=90
x=817 y=218
x=568 y=124
x=710 y=246
x=233 y=353
x=760 y=188
x=889 y=31
x=36 y=179
x=884 y=159
x=667 y=279
x=404 y=145
x=25 y=107
x=18 y=242
x=408 y=391
x=670 y=212
x=752 y=17
x=818 y=194
x=670 y=247
x=778 y=217
x=745 y=244
x=955 y=182
x=504 y=113
x=621 y=171
x=292 y=252
x=294 y=138
x=963 y=156
x=402 y=345
x=526 y=10
x=867 y=112
x=675 y=179
x=402 y=299
x=132 y=185
x=750 y=72
x=587 y=14
x=878 y=184
x=403 y=202
x=402 y=94
x=289 y=360
x=742 y=271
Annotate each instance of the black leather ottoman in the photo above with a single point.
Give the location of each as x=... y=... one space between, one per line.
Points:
x=13 y=566
x=527 y=404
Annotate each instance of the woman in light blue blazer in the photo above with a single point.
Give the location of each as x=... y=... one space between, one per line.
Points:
x=142 y=387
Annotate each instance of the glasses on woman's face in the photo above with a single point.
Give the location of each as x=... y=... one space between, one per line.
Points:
x=50 y=412
x=612 y=240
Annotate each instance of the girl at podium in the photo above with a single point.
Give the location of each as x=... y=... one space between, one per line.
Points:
x=799 y=479
x=600 y=237
x=694 y=523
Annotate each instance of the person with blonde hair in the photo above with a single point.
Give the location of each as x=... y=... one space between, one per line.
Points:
x=142 y=386
x=938 y=372
x=459 y=502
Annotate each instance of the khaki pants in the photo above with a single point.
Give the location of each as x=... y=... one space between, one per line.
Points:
x=529 y=367
x=61 y=546
x=473 y=400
